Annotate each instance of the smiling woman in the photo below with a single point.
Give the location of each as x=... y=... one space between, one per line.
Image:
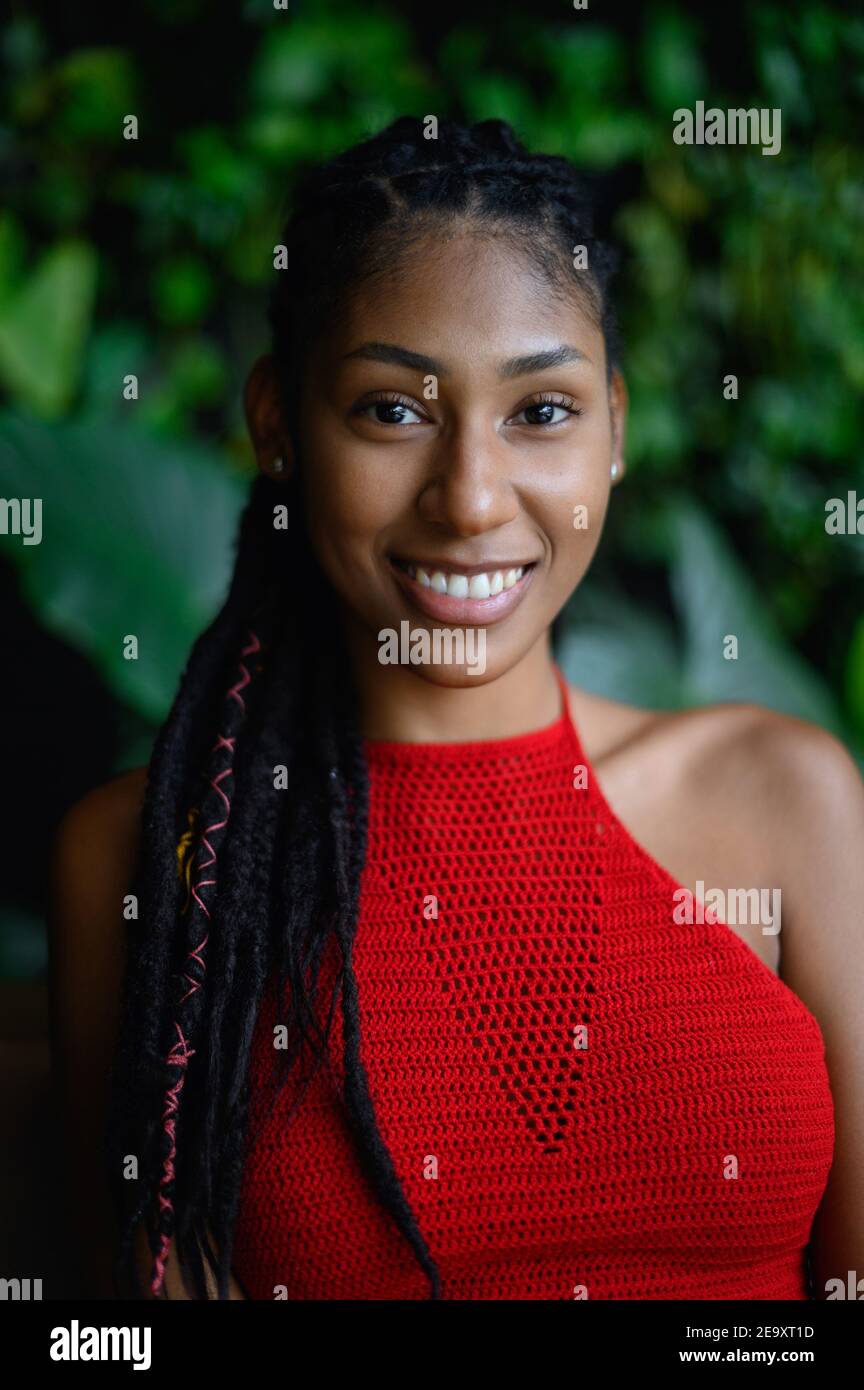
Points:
x=542 y=1083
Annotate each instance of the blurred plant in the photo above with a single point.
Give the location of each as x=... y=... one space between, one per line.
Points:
x=614 y=647
x=137 y=541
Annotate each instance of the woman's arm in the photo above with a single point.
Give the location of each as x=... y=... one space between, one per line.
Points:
x=823 y=962
x=95 y=857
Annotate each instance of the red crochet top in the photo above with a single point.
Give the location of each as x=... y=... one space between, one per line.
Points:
x=581 y=1097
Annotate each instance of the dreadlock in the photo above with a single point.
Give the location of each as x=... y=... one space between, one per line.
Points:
x=239 y=883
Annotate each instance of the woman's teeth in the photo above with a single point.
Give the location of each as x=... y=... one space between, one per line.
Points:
x=462 y=586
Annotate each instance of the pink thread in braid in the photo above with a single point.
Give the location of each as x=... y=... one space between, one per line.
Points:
x=177 y=1057
x=180 y=1053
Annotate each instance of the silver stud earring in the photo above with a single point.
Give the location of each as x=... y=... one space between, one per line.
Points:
x=614 y=470
x=278 y=465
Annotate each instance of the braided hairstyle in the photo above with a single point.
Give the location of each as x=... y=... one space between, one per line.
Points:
x=240 y=884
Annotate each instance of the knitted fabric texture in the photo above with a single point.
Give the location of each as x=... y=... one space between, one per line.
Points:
x=582 y=1097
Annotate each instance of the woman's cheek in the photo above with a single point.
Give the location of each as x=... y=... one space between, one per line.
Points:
x=579 y=475
x=344 y=517
x=574 y=508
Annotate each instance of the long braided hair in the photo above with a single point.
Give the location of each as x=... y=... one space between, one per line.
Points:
x=241 y=881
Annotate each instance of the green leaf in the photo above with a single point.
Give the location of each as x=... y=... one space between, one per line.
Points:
x=43 y=328
x=217 y=168
x=673 y=70
x=12 y=254
x=98 y=90
x=855 y=676
x=491 y=94
x=182 y=290
x=715 y=600
x=137 y=540
x=612 y=647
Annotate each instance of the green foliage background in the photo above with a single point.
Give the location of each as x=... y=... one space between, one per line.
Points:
x=153 y=257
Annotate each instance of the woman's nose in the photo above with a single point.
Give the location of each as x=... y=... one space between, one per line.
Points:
x=469 y=489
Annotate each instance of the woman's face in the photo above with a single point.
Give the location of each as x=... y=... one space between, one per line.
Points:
x=459 y=422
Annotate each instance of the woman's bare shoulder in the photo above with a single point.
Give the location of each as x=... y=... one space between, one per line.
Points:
x=101 y=831
x=719 y=740
x=93 y=863
x=607 y=726
x=117 y=802
x=740 y=773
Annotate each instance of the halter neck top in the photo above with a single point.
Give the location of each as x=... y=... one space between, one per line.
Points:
x=581 y=1096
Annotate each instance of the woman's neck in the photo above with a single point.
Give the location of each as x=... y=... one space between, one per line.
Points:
x=446 y=704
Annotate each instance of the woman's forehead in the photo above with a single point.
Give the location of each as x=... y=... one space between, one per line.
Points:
x=468 y=298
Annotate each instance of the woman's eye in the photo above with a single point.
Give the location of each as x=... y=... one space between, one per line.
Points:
x=546 y=412
x=391 y=413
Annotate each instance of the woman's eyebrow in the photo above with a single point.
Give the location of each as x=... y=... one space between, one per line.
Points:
x=398 y=357
x=512 y=367
x=539 y=361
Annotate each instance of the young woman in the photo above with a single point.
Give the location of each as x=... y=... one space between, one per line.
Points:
x=412 y=1007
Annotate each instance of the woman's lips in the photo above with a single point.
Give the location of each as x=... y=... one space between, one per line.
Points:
x=473 y=612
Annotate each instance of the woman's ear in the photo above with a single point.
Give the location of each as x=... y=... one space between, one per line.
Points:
x=618 y=416
x=265 y=420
